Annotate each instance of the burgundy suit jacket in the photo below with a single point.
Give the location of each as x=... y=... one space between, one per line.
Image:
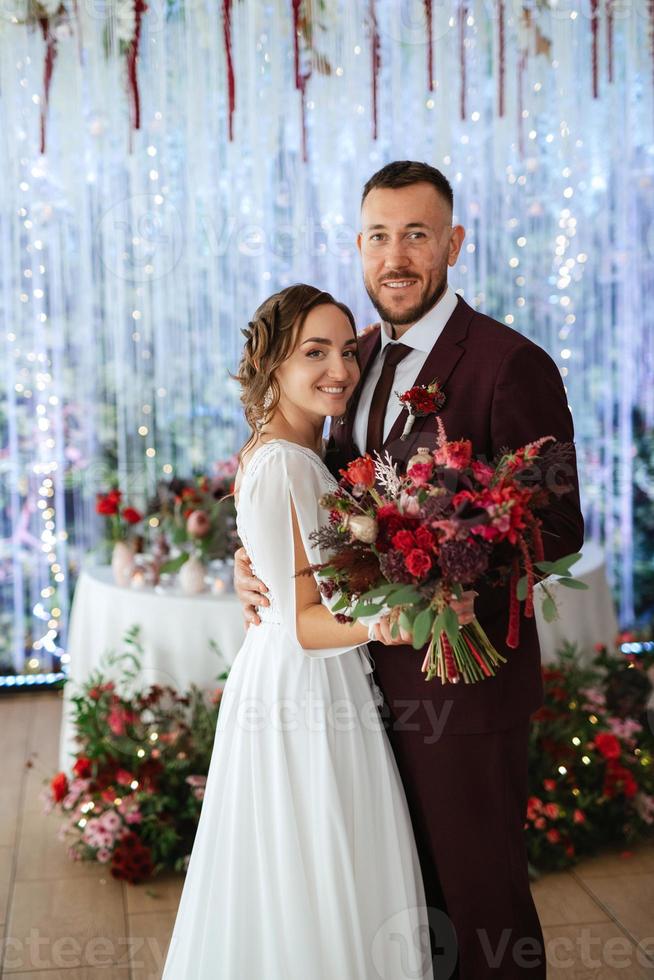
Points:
x=502 y=390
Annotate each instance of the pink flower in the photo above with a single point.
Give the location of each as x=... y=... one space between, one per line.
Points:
x=553 y=836
x=198 y=524
x=118 y=718
x=645 y=807
x=103 y=855
x=420 y=473
x=624 y=727
x=110 y=821
x=456 y=454
x=409 y=505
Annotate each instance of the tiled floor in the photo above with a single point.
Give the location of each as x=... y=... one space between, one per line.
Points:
x=61 y=920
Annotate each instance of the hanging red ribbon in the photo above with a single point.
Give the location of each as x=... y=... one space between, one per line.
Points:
x=48 y=65
x=609 y=38
x=301 y=77
x=463 y=17
x=132 y=63
x=375 y=56
x=231 y=85
x=429 y=14
x=502 y=57
x=594 y=27
x=296 y=42
x=522 y=68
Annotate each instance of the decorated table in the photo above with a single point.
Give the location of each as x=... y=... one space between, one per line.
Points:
x=179 y=635
x=585 y=617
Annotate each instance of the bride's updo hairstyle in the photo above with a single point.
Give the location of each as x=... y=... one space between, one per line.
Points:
x=270 y=337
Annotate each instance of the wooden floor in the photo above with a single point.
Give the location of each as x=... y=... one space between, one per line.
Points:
x=63 y=919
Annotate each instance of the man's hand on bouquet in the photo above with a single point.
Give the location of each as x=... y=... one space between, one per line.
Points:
x=465 y=607
x=250 y=590
x=381 y=632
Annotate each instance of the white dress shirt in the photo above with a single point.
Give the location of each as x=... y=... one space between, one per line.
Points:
x=420 y=337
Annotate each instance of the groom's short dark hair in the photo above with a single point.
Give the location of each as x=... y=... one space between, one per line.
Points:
x=401 y=173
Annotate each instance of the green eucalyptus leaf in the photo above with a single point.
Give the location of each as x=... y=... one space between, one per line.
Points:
x=422 y=627
x=174 y=564
x=521 y=590
x=451 y=624
x=549 y=609
x=572 y=583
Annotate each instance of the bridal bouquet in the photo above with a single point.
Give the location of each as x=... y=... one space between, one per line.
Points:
x=409 y=544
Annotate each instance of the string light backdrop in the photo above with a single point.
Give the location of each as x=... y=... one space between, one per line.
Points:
x=166 y=168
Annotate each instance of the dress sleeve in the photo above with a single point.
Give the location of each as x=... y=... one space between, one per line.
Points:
x=285 y=478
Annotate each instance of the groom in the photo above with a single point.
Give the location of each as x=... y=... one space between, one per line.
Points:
x=461 y=749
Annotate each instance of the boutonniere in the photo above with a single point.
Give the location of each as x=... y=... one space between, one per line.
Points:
x=419 y=401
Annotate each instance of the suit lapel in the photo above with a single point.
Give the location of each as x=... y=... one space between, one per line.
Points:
x=441 y=361
x=368 y=349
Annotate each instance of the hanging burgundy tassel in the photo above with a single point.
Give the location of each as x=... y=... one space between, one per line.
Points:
x=231 y=85
x=609 y=38
x=296 y=42
x=48 y=65
x=502 y=58
x=594 y=27
x=529 y=569
x=522 y=68
x=375 y=54
x=301 y=78
x=463 y=16
x=513 y=634
x=539 y=550
x=132 y=63
x=429 y=14
x=451 y=671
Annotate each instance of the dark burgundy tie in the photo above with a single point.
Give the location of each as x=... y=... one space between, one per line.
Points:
x=394 y=353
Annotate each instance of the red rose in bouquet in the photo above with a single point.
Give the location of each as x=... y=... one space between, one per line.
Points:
x=411 y=543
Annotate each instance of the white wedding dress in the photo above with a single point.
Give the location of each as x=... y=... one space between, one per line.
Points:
x=304 y=865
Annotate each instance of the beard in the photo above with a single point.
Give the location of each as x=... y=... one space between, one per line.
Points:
x=428 y=299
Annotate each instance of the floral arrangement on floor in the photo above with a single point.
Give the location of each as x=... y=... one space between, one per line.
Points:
x=591 y=758
x=132 y=800
x=409 y=544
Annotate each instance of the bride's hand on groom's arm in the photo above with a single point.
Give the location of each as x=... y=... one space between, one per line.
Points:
x=250 y=590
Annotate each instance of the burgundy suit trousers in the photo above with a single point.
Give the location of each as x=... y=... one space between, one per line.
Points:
x=467 y=794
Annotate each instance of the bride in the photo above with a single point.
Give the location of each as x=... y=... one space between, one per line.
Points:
x=304 y=865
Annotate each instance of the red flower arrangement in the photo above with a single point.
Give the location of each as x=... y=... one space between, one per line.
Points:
x=122 y=518
x=411 y=544
x=134 y=796
x=419 y=401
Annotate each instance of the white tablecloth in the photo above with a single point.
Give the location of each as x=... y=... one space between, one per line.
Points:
x=175 y=634
x=585 y=617
x=176 y=630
